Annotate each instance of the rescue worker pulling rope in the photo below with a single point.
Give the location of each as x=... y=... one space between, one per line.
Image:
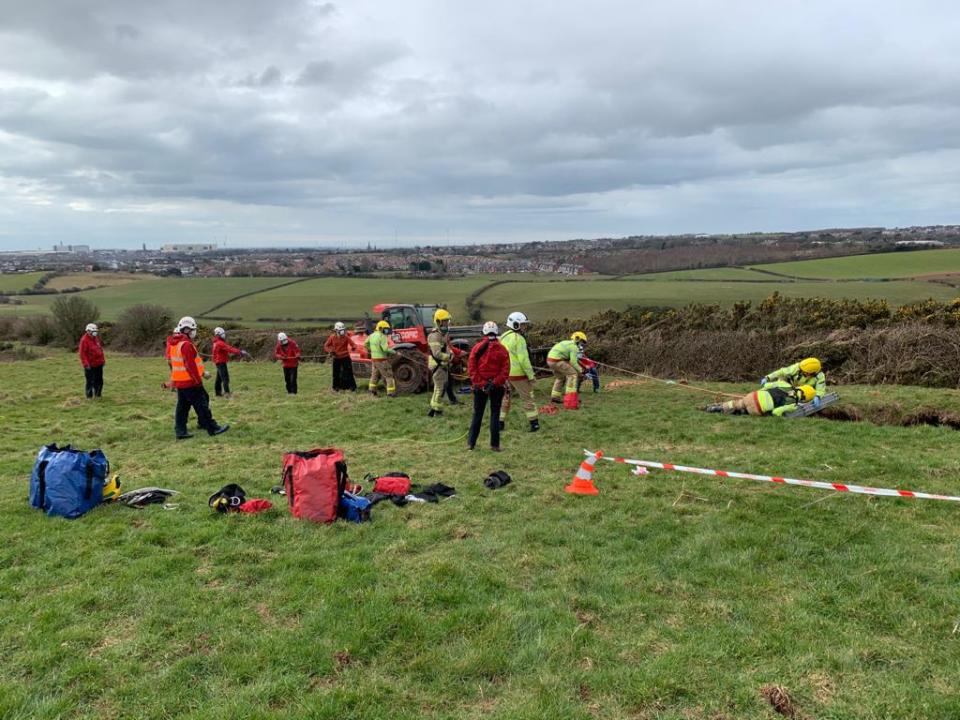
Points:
x=562 y=360
x=380 y=353
x=522 y=374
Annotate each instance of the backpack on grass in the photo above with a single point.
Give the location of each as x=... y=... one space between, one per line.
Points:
x=68 y=482
x=314 y=482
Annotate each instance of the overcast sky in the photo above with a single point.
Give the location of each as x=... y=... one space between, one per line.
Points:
x=288 y=122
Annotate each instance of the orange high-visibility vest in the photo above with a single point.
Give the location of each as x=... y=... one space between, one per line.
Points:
x=178 y=370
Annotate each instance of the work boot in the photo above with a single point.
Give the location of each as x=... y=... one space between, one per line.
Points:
x=184 y=436
x=534 y=425
x=219 y=430
x=713 y=409
x=557 y=400
x=431 y=412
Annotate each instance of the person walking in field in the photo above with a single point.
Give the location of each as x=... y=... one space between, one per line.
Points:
x=92 y=359
x=441 y=355
x=338 y=346
x=288 y=353
x=522 y=375
x=489 y=368
x=222 y=351
x=187 y=374
x=562 y=360
x=776 y=398
x=380 y=353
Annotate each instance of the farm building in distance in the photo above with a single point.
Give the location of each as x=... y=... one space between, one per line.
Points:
x=189 y=248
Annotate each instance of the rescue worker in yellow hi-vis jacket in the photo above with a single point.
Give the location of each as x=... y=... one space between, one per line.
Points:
x=808 y=371
x=439 y=360
x=521 y=370
x=562 y=359
x=777 y=398
x=380 y=352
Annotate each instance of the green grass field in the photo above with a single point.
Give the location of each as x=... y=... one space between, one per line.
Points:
x=540 y=296
x=12 y=282
x=349 y=298
x=182 y=295
x=885 y=265
x=667 y=596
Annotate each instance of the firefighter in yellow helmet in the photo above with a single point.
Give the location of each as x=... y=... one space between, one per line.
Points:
x=562 y=360
x=380 y=352
x=440 y=358
x=776 y=398
x=808 y=371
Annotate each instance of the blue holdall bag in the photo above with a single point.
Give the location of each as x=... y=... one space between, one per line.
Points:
x=353 y=508
x=68 y=482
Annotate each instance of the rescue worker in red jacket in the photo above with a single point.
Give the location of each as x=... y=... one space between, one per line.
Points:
x=489 y=368
x=187 y=375
x=338 y=345
x=222 y=350
x=288 y=353
x=91 y=357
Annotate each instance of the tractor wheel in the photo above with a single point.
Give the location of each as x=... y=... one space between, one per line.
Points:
x=410 y=372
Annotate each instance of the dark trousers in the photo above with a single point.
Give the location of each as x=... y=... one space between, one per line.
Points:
x=343 y=374
x=448 y=390
x=290 y=379
x=222 y=384
x=196 y=398
x=94 y=381
x=480 y=398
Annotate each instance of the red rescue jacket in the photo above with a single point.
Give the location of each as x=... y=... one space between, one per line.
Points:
x=337 y=345
x=91 y=351
x=289 y=354
x=222 y=350
x=489 y=360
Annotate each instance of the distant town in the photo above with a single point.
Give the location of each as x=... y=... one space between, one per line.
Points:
x=631 y=254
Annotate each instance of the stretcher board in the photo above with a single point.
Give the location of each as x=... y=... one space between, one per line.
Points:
x=805 y=409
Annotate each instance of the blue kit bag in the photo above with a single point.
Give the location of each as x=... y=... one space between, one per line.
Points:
x=353 y=508
x=68 y=482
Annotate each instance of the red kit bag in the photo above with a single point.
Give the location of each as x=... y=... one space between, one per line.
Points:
x=393 y=484
x=314 y=482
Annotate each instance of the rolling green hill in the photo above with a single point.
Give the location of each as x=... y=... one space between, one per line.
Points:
x=881 y=265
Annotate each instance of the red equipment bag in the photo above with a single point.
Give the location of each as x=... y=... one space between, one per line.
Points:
x=314 y=482
x=392 y=483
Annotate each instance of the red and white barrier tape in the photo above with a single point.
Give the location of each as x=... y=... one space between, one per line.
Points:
x=839 y=487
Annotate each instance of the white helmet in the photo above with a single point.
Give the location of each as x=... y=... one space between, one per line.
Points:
x=219 y=332
x=515 y=320
x=90 y=328
x=281 y=337
x=186 y=323
x=490 y=328
x=339 y=327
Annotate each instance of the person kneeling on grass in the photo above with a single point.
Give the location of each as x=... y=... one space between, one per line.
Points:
x=489 y=367
x=775 y=399
x=186 y=372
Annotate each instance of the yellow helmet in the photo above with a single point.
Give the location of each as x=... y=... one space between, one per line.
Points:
x=440 y=315
x=578 y=337
x=383 y=325
x=806 y=392
x=111 y=490
x=810 y=366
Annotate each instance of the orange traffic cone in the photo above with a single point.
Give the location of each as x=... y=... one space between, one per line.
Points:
x=583 y=481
